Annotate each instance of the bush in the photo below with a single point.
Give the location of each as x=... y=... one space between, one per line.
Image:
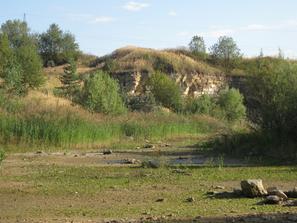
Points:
x=200 y=105
x=165 y=91
x=2 y=155
x=231 y=103
x=101 y=94
x=144 y=103
x=273 y=89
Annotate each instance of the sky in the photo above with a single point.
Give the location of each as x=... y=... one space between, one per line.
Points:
x=101 y=26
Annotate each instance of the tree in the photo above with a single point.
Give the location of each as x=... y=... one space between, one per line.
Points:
x=57 y=47
x=69 y=79
x=225 y=53
x=15 y=30
x=273 y=98
x=101 y=94
x=197 y=46
x=20 y=64
x=165 y=91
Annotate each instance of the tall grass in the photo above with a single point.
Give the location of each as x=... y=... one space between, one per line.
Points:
x=35 y=123
x=48 y=129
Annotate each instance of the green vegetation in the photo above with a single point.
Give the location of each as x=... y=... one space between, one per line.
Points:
x=228 y=105
x=20 y=65
x=165 y=91
x=197 y=47
x=57 y=47
x=101 y=94
x=2 y=155
x=225 y=53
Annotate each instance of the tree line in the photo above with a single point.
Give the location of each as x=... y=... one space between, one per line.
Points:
x=23 y=54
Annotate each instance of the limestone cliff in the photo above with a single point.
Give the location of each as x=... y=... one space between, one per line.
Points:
x=132 y=67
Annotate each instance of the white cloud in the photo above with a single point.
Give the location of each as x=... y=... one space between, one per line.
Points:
x=255 y=27
x=102 y=19
x=172 y=13
x=135 y=6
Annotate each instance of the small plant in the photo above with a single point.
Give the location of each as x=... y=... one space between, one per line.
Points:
x=2 y=155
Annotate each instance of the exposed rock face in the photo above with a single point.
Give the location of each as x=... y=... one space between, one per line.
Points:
x=193 y=84
x=253 y=188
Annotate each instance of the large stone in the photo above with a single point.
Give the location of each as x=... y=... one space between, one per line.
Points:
x=278 y=193
x=253 y=188
x=273 y=199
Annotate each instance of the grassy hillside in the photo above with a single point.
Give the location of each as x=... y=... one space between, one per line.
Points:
x=144 y=59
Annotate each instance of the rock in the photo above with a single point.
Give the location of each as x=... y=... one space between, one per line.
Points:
x=190 y=199
x=149 y=146
x=107 y=152
x=160 y=200
x=253 y=188
x=291 y=203
x=151 y=164
x=278 y=193
x=292 y=193
x=131 y=161
x=272 y=199
x=219 y=188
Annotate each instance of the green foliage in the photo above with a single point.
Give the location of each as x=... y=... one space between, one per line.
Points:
x=165 y=91
x=200 y=105
x=145 y=102
x=15 y=30
x=69 y=80
x=231 y=103
x=57 y=47
x=273 y=89
x=197 y=47
x=2 y=155
x=31 y=65
x=225 y=53
x=20 y=65
x=101 y=94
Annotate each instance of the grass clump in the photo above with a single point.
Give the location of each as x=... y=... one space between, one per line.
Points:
x=2 y=155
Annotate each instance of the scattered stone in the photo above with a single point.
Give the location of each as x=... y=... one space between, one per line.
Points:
x=149 y=146
x=39 y=152
x=272 y=199
x=292 y=193
x=253 y=188
x=107 y=152
x=278 y=193
x=151 y=164
x=131 y=161
x=160 y=200
x=138 y=147
x=219 y=188
x=190 y=199
x=167 y=145
x=212 y=192
x=291 y=203
x=75 y=155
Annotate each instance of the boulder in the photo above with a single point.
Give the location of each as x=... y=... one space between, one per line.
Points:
x=107 y=152
x=278 y=193
x=272 y=199
x=253 y=188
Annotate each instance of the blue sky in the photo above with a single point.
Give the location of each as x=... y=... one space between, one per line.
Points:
x=103 y=26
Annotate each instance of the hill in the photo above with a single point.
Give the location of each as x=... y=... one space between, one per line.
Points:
x=132 y=66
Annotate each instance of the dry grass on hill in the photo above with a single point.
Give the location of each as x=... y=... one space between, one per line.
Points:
x=135 y=58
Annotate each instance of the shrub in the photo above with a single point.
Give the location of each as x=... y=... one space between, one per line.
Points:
x=231 y=103
x=200 y=105
x=145 y=102
x=273 y=89
x=165 y=91
x=101 y=94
